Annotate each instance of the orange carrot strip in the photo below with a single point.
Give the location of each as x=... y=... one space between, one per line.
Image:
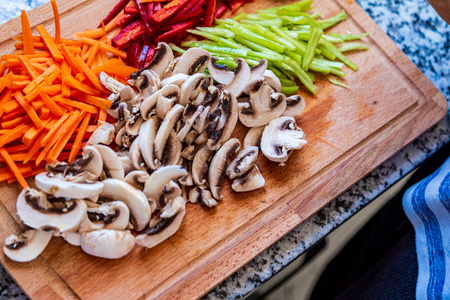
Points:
x=14 y=114
x=3 y=68
x=80 y=105
x=84 y=49
x=13 y=168
x=44 y=113
x=19 y=77
x=15 y=134
x=70 y=59
x=25 y=62
x=14 y=122
x=49 y=103
x=91 y=33
x=90 y=75
x=91 y=128
x=6 y=174
x=33 y=173
x=52 y=77
x=92 y=55
x=58 y=148
x=53 y=130
x=57 y=22
x=37 y=104
x=40 y=78
x=65 y=72
x=18 y=148
x=106 y=47
x=26 y=31
x=32 y=133
x=102 y=117
x=114 y=69
x=49 y=43
x=96 y=101
x=34 y=148
x=79 y=138
x=39 y=67
x=72 y=82
x=86 y=55
x=28 y=108
x=10 y=106
x=20 y=84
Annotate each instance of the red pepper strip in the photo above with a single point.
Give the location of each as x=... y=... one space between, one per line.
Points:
x=168 y=10
x=150 y=8
x=191 y=15
x=143 y=55
x=157 y=7
x=186 y=8
x=131 y=10
x=114 y=12
x=220 y=11
x=126 y=20
x=178 y=31
x=133 y=54
x=209 y=15
x=150 y=54
x=128 y=33
x=143 y=13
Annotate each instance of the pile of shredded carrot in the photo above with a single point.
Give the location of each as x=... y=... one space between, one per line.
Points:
x=51 y=99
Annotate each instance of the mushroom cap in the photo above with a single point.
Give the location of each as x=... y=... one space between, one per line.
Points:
x=35 y=211
x=164 y=130
x=272 y=80
x=176 y=79
x=200 y=165
x=280 y=137
x=253 y=136
x=111 y=163
x=173 y=207
x=27 y=246
x=191 y=88
x=54 y=185
x=137 y=179
x=250 y=181
x=161 y=231
x=259 y=69
x=192 y=61
x=102 y=135
x=107 y=243
x=172 y=151
x=147 y=135
x=171 y=92
x=135 y=200
x=242 y=75
x=294 y=106
x=161 y=60
x=220 y=73
x=202 y=196
x=108 y=215
x=135 y=155
x=243 y=162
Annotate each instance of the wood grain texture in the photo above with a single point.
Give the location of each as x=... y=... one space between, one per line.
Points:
x=349 y=133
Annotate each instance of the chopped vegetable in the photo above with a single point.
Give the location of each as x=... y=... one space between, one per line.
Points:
x=339 y=83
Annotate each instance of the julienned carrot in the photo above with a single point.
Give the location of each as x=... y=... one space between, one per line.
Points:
x=49 y=43
x=33 y=173
x=39 y=79
x=77 y=104
x=34 y=148
x=10 y=106
x=27 y=66
x=91 y=33
x=70 y=58
x=53 y=130
x=102 y=117
x=37 y=104
x=96 y=101
x=7 y=174
x=90 y=75
x=32 y=133
x=49 y=90
x=44 y=113
x=57 y=22
x=72 y=82
x=93 y=54
x=29 y=109
x=14 y=122
x=65 y=72
x=49 y=103
x=79 y=138
x=14 y=114
x=13 y=168
x=27 y=36
x=106 y=47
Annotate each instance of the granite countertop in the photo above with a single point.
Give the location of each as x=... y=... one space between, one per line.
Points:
x=425 y=38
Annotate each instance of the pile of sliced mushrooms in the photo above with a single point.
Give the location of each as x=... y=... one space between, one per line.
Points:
x=172 y=144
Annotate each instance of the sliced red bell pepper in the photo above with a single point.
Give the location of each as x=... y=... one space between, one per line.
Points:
x=150 y=54
x=168 y=10
x=128 y=33
x=191 y=15
x=131 y=10
x=220 y=11
x=187 y=8
x=177 y=31
x=236 y=4
x=127 y=19
x=141 y=61
x=143 y=13
x=209 y=15
x=133 y=54
x=157 y=7
x=114 y=12
x=150 y=8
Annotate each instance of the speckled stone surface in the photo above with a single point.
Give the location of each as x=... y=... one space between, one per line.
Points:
x=425 y=38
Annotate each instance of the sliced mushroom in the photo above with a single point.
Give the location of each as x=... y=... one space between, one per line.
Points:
x=60 y=215
x=172 y=151
x=190 y=114
x=107 y=243
x=166 y=101
x=111 y=163
x=189 y=152
x=252 y=85
x=200 y=121
x=166 y=127
x=154 y=186
x=134 y=121
x=110 y=83
x=122 y=115
x=221 y=73
x=73 y=238
x=147 y=134
x=280 y=137
x=294 y=106
x=161 y=61
x=58 y=187
x=161 y=231
x=272 y=80
x=219 y=164
x=264 y=106
x=200 y=165
x=102 y=135
x=253 y=136
x=27 y=246
x=135 y=200
x=243 y=162
x=242 y=75
x=169 y=92
x=193 y=61
x=173 y=207
x=137 y=161
x=224 y=122
x=202 y=196
x=128 y=96
x=250 y=181
x=108 y=215
x=190 y=137
x=137 y=179
x=147 y=83
x=190 y=88
x=259 y=69
x=176 y=79
x=187 y=180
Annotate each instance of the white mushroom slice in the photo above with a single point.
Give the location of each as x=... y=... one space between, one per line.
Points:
x=189 y=152
x=192 y=61
x=253 y=136
x=111 y=163
x=137 y=161
x=133 y=124
x=187 y=180
x=120 y=136
x=264 y=106
x=219 y=164
x=171 y=92
x=137 y=179
x=108 y=215
x=254 y=84
x=27 y=246
x=161 y=231
x=272 y=80
x=37 y=212
x=154 y=186
x=280 y=137
x=242 y=75
x=294 y=106
x=110 y=83
x=73 y=238
x=166 y=101
x=135 y=200
x=107 y=243
x=190 y=137
x=200 y=121
x=128 y=96
x=243 y=162
x=161 y=60
x=58 y=187
x=147 y=83
x=190 y=114
x=190 y=88
x=250 y=181
x=122 y=115
x=173 y=207
x=200 y=165
x=224 y=122
x=259 y=69
x=221 y=73
x=202 y=91
x=126 y=164
x=176 y=79
x=166 y=127
x=172 y=151
x=202 y=196
x=171 y=191
x=147 y=134
x=102 y=135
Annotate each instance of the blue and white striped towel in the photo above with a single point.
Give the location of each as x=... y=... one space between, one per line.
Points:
x=427 y=206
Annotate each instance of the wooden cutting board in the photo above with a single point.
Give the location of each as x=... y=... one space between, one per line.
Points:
x=349 y=133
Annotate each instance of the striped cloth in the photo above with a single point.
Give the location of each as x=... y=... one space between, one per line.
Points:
x=427 y=206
